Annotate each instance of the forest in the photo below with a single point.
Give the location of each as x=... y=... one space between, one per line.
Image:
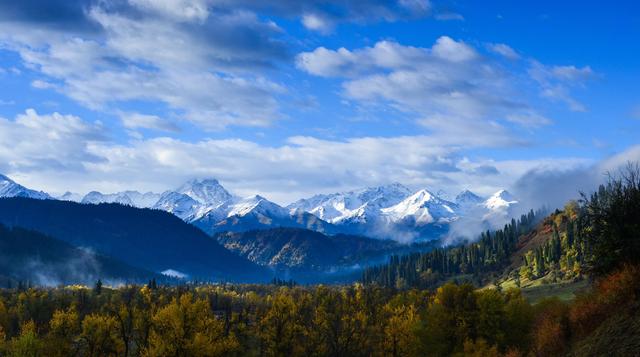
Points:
x=390 y=313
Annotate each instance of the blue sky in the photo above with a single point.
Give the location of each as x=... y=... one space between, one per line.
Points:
x=289 y=98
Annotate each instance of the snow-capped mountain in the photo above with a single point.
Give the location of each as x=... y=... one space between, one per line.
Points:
x=206 y=191
x=394 y=212
x=194 y=199
x=179 y=204
x=499 y=208
x=131 y=198
x=391 y=211
x=421 y=208
x=9 y=188
x=256 y=212
x=354 y=206
x=500 y=200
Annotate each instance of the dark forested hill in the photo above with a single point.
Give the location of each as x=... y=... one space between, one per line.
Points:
x=29 y=256
x=149 y=239
x=304 y=249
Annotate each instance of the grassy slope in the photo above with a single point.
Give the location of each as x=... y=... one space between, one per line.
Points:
x=618 y=335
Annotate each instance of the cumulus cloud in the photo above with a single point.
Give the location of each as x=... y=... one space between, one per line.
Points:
x=201 y=69
x=451 y=88
x=32 y=142
x=205 y=59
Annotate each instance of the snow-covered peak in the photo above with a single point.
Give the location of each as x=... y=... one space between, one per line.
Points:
x=343 y=206
x=500 y=200
x=177 y=203
x=9 y=188
x=423 y=206
x=205 y=191
x=257 y=205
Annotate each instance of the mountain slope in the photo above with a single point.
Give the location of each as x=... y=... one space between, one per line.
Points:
x=256 y=212
x=31 y=256
x=9 y=188
x=304 y=249
x=151 y=239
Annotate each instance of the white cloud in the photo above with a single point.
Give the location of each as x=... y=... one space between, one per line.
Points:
x=449 y=87
x=205 y=70
x=454 y=51
x=59 y=153
x=504 y=50
x=572 y=73
x=556 y=81
x=530 y=120
x=449 y=81
x=182 y=9
x=145 y=121
x=34 y=142
x=317 y=23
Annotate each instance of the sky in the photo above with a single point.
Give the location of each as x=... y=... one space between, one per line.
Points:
x=290 y=98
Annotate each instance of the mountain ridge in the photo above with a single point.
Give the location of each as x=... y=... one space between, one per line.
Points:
x=387 y=211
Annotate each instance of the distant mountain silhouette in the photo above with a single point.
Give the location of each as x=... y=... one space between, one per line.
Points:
x=33 y=257
x=150 y=239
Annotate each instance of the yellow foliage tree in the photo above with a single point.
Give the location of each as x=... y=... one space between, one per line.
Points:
x=281 y=328
x=27 y=344
x=399 y=331
x=100 y=336
x=64 y=326
x=186 y=327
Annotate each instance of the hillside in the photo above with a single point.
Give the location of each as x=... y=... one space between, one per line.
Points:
x=305 y=249
x=150 y=239
x=478 y=261
x=537 y=254
x=550 y=259
x=28 y=256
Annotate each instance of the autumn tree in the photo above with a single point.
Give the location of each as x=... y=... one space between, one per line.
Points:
x=187 y=327
x=100 y=336
x=27 y=344
x=64 y=327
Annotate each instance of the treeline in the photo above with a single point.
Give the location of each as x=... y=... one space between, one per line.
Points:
x=592 y=236
x=488 y=254
x=269 y=320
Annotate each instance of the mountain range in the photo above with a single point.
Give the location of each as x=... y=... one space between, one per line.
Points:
x=387 y=212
